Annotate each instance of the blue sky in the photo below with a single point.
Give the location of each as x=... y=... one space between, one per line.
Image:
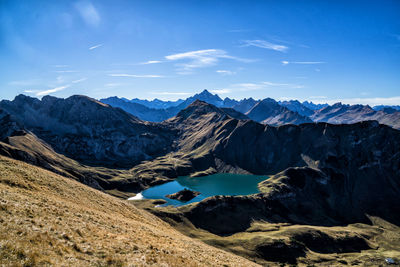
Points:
x=324 y=51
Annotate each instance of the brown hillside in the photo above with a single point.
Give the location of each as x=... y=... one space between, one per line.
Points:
x=47 y=219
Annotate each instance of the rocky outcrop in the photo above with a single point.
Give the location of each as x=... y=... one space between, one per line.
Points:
x=184 y=195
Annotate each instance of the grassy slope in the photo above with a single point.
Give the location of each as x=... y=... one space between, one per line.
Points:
x=49 y=219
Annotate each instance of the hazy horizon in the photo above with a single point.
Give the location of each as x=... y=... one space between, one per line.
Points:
x=324 y=52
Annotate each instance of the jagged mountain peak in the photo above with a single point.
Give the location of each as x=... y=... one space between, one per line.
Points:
x=338 y=104
x=21 y=99
x=205 y=92
x=205 y=95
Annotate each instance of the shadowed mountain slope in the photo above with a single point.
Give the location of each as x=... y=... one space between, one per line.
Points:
x=345 y=173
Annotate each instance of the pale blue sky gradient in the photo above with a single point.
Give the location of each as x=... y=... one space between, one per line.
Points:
x=324 y=51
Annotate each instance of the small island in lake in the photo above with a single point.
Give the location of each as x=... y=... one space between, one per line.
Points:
x=184 y=195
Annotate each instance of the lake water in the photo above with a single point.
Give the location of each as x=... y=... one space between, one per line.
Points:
x=211 y=185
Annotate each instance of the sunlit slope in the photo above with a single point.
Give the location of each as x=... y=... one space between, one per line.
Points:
x=49 y=219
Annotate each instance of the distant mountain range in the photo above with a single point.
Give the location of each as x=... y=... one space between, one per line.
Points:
x=266 y=111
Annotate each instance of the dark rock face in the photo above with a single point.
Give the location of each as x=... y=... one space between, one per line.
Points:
x=347 y=171
x=184 y=195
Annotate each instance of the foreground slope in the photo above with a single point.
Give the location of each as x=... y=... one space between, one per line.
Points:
x=48 y=219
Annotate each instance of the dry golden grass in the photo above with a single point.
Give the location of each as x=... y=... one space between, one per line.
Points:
x=47 y=219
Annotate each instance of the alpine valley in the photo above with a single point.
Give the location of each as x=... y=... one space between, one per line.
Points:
x=331 y=197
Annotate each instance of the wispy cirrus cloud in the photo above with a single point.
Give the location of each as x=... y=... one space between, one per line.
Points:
x=265 y=44
x=150 y=62
x=56 y=89
x=88 y=13
x=59 y=80
x=225 y=72
x=135 y=75
x=95 y=46
x=79 y=80
x=221 y=91
x=200 y=59
x=30 y=91
x=284 y=62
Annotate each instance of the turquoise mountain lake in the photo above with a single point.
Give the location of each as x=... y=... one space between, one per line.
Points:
x=211 y=185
